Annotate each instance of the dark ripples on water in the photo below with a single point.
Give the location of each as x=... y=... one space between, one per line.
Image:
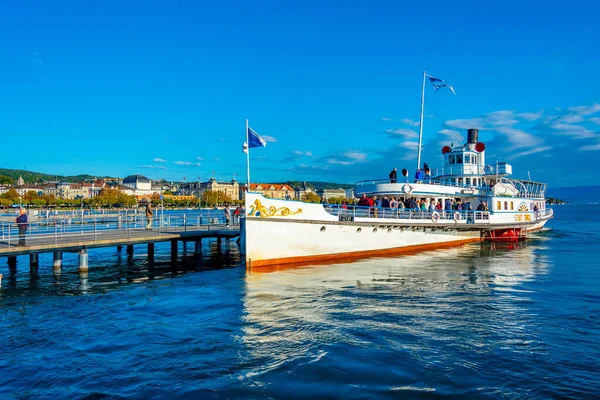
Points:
x=486 y=321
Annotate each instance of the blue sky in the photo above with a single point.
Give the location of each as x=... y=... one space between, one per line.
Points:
x=163 y=88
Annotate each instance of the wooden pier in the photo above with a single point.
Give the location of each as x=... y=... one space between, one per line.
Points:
x=81 y=242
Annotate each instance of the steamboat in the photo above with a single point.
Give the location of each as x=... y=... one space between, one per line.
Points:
x=465 y=200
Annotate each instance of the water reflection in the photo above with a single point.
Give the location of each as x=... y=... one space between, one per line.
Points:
x=425 y=307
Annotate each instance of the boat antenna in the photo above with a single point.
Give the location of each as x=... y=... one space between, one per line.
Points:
x=529 y=176
x=421 y=121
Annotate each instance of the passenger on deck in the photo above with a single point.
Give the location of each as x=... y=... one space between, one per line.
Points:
x=427 y=172
x=413 y=204
x=364 y=201
x=480 y=206
x=393 y=203
x=385 y=203
x=376 y=205
x=394 y=176
x=438 y=206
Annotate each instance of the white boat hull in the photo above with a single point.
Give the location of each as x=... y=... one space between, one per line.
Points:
x=279 y=232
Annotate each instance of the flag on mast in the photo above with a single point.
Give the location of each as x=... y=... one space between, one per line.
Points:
x=440 y=83
x=254 y=139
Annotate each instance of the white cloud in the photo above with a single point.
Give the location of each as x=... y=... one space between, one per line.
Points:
x=595 y=120
x=586 y=110
x=407 y=133
x=187 y=163
x=591 y=147
x=355 y=155
x=410 y=122
x=159 y=160
x=571 y=119
x=518 y=137
x=338 y=162
x=532 y=151
x=269 y=139
x=386 y=119
x=199 y=158
x=466 y=123
x=576 y=131
x=408 y=145
x=152 y=166
x=529 y=116
x=302 y=153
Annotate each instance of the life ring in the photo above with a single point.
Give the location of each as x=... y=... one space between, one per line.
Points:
x=435 y=217
x=487 y=169
x=457 y=216
x=407 y=188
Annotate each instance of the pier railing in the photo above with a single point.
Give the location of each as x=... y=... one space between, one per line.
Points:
x=50 y=230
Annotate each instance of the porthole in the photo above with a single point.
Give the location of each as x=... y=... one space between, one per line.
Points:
x=374 y=230
x=323 y=229
x=389 y=230
x=359 y=230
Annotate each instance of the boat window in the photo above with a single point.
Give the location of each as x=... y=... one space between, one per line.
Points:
x=451 y=159
x=467 y=159
x=460 y=181
x=467 y=181
x=506 y=205
x=512 y=207
x=498 y=205
x=474 y=158
x=459 y=159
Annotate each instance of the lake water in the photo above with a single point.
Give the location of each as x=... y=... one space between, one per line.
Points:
x=482 y=321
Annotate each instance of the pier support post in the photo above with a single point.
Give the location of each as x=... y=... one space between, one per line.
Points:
x=83 y=261
x=34 y=260
x=119 y=248
x=129 y=249
x=173 y=252
x=198 y=247
x=218 y=242
x=150 y=253
x=12 y=262
x=57 y=260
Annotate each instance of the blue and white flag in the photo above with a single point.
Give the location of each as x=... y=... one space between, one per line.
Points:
x=439 y=83
x=254 y=139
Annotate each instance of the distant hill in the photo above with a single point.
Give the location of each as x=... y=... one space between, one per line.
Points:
x=38 y=177
x=576 y=194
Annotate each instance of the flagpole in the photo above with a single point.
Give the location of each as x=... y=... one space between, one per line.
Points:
x=421 y=121
x=247 y=160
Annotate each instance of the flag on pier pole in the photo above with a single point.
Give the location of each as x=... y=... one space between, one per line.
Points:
x=253 y=139
x=440 y=83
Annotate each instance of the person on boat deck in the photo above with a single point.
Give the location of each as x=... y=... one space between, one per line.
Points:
x=385 y=203
x=448 y=205
x=413 y=204
x=427 y=172
x=419 y=176
x=432 y=205
x=344 y=205
x=438 y=206
x=364 y=201
x=375 y=205
x=394 y=176
x=393 y=203
x=480 y=207
x=423 y=205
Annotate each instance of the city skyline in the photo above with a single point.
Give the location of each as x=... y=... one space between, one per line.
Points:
x=164 y=90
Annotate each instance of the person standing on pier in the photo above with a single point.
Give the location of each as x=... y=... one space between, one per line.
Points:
x=149 y=216
x=22 y=224
x=227 y=214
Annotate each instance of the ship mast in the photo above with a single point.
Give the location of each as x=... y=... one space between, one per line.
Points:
x=421 y=121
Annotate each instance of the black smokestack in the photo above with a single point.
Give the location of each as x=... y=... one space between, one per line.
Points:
x=472 y=135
